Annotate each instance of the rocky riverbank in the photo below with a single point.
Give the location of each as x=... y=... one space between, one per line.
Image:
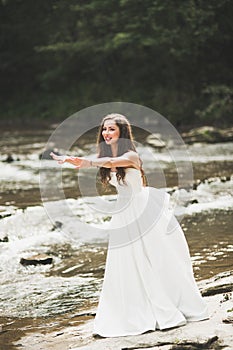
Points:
x=208 y=134
x=215 y=333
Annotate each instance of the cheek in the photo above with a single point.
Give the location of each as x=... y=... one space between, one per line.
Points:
x=117 y=133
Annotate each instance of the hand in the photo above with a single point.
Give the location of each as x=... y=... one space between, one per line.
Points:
x=59 y=159
x=77 y=161
x=81 y=163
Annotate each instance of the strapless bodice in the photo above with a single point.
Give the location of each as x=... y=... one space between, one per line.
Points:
x=132 y=182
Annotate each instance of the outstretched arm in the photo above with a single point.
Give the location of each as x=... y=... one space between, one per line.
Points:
x=77 y=161
x=129 y=159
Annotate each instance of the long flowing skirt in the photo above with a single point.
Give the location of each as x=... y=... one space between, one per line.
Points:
x=148 y=282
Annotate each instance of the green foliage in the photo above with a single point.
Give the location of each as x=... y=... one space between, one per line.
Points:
x=175 y=57
x=220 y=106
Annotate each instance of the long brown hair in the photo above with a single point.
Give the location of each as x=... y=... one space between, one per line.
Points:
x=125 y=144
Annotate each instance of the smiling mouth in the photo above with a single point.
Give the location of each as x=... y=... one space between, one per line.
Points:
x=107 y=139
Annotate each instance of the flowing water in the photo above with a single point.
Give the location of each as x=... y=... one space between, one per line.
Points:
x=58 y=292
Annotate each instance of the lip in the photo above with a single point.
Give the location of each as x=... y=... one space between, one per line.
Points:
x=107 y=139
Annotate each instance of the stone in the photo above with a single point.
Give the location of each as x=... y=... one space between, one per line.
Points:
x=155 y=141
x=46 y=154
x=196 y=184
x=5 y=214
x=228 y=319
x=208 y=134
x=225 y=178
x=4 y=239
x=9 y=159
x=214 y=333
x=207 y=344
x=219 y=284
x=40 y=259
x=57 y=225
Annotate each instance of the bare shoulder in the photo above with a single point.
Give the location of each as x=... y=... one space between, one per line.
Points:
x=133 y=157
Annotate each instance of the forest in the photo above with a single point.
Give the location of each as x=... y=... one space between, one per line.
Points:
x=174 y=56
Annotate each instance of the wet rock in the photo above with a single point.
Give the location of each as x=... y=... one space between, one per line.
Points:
x=219 y=284
x=226 y=297
x=4 y=239
x=58 y=334
x=214 y=333
x=5 y=214
x=46 y=154
x=206 y=344
x=228 y=319
x=155 y=141
x=40 y=259
x=84 y=314
x=208 y=134
x=196 y=184
x=9 y=159
x=225 y=178
x=57 y=225
x=209 y=180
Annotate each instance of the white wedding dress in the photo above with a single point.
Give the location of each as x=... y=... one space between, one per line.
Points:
x=148 y=282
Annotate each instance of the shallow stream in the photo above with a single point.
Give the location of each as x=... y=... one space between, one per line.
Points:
x=72 y=283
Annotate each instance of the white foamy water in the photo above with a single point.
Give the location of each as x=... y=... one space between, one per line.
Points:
x=16 y=172
x=213 y=194
x=33 y=291
x=79 y=235
x=196 y=153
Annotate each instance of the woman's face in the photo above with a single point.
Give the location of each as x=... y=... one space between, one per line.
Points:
x=110 y=132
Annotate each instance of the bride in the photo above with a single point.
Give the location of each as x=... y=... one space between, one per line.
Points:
x=148 y=282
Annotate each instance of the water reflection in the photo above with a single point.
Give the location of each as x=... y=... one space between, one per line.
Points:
x=210 y=240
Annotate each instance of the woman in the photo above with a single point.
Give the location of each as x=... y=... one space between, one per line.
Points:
x=148 y=282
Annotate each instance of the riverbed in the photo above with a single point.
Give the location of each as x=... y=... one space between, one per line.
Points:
x=42 y=298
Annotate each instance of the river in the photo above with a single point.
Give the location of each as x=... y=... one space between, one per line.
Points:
x=57 y=292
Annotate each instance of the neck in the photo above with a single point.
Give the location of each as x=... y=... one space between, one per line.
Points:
x=114 y=148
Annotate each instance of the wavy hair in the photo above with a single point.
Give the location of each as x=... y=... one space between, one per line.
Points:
x=125 y=144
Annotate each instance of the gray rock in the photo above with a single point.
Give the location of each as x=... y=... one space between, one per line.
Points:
x=208 y=134
x=9 y=159
x=46 y=154
x=57 y=225
x=155 y=141
x=218 y=284
x=214 y=333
